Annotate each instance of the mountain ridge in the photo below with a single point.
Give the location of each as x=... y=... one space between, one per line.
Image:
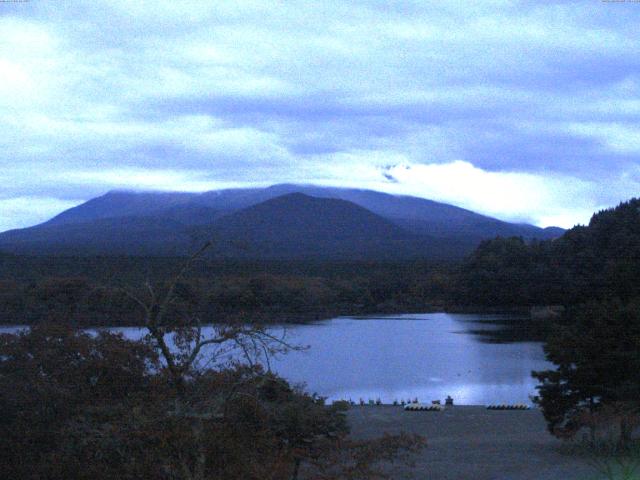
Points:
x=398 y=226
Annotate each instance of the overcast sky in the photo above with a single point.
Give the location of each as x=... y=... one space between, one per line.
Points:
x=526 y=111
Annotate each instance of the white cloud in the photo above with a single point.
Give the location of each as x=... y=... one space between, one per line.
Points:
x=545 y=200
x=146 y=179
x=541 y=199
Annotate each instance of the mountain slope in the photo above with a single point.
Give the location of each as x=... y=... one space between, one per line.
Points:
x=120 y=204
x=418 y=215
x=424 y=216
x=299 y=226
x=293 y=226
x=282 y=221
x=105 y=236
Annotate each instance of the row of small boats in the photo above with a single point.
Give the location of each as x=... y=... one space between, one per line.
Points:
x=423 y=407
x=426 y=407
x=517 y=406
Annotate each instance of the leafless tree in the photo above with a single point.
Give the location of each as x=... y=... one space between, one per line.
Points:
x=181 y=342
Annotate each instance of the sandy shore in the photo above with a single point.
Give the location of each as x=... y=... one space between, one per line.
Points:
x=467 y=442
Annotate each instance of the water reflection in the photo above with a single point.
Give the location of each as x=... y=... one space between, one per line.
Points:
x=404 y=356
x=428 y=356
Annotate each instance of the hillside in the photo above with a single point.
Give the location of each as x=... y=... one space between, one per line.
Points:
x=419 y=215
x=120 y=204
x=597 y=261
x=299 y=226
x=104 y=236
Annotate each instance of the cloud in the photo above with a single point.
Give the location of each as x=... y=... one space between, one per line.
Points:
x=145 y=179
x=533 y=96
x=542 y=198
x=525 y=197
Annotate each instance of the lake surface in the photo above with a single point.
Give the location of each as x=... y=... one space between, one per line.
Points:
x=428 y=356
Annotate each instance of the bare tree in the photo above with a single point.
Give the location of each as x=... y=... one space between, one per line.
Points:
x=181 y=342
x=189 y=351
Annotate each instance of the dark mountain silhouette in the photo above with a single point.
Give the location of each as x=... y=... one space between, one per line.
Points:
x=300 y=226
x=105 y=236
x=120 y=204
x=418 y=214
x=282 y=221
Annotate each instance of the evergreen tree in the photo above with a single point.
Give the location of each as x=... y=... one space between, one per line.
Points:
x=597 y=353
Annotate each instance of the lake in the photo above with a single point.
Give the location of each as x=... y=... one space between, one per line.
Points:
x=428 y=356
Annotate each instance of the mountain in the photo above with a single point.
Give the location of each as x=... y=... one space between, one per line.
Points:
x=416 y=214
x=282 y=221
x=120 y=204
x=296 y=225
x=117 y=236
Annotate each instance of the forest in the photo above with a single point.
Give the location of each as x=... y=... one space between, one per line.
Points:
x=594 y=272
x=91 y=291
x=594 y=262
x=86 y=406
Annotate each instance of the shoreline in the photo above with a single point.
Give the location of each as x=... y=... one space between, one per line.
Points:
x=292 y=318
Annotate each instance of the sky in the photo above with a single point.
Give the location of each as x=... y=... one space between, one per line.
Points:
x=523 y=110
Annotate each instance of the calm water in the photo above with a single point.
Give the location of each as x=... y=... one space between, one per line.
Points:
x=428 y=356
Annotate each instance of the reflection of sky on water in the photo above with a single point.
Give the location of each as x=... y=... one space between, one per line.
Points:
x=405 y=356
x=410 y=355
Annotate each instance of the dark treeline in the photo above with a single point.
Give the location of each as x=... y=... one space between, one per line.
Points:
x=595 y=262
x=97 y=291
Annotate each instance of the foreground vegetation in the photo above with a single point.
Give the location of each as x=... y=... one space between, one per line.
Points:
x=83 y=407
x=594 y=390
x=103 y=407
